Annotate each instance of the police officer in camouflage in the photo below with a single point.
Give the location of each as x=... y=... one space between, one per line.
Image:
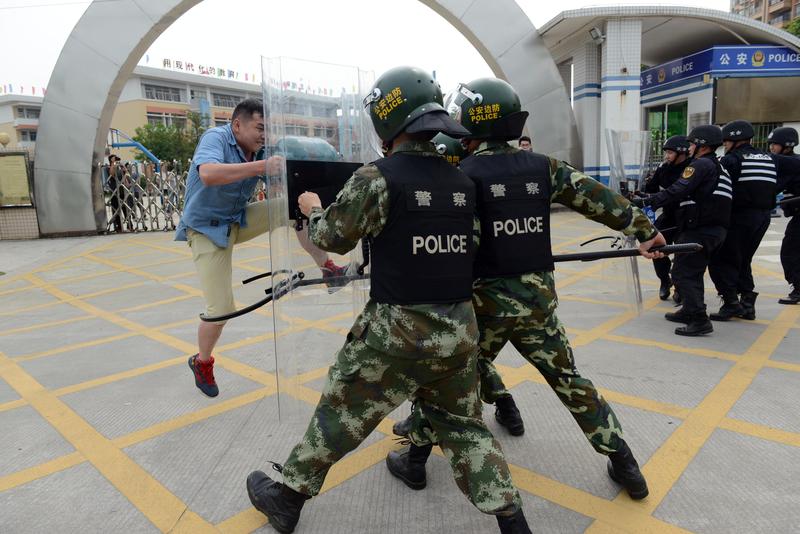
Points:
x=417 y=334
x=754 y=178
x=514 y=291
x=676 y=158
x=703 y=197
x=781 y=144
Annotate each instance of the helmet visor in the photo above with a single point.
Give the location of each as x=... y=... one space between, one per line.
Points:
x=456 y=99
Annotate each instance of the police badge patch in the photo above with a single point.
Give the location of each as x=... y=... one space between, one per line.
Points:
x=688 y=172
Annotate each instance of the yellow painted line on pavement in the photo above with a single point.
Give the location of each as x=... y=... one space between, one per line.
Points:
x=707 y=353
x=16 y=290
x=75 y=346
x=39 y=326
x=761 y=431
x=161 y=507
x=42 y=470
x=576 y=298
x=71 y=298
x=623 y=514
x=116 y=377
x=611 y=325
x=156 y=304
x=785 y=366
x=12 y=405
x=673 y=457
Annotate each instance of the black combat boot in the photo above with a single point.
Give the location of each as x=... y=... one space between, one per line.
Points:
x=678 y=316
x=409 y=465
x=731 y=307
x=623 y=469
x=513 y=524
x=749 y=306
x=698 y=326
x=279 y=503
x=676 y=297
x=663 y=291
x=794 y=296
x=508 y=415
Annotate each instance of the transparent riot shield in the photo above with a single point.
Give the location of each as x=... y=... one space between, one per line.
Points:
x=628 y=153
x=317 y=126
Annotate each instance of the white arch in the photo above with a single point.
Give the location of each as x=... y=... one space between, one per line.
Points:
x=97 y=59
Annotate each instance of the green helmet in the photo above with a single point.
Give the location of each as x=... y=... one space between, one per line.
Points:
x=489 y=108
x=408 y=99
x=450 y=148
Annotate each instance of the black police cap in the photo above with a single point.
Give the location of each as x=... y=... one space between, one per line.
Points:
x=783 y=136
x=738 y=131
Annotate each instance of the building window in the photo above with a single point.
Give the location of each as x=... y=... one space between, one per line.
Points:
x=27 y=135
x=323 y=111
x=160 y=92
x=322 y=131
x=225 y=101
x=25 y=112
x=220 y=122
x=167 y=119
x=296 y=129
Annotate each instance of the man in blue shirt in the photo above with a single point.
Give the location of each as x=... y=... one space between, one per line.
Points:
x=225 y=170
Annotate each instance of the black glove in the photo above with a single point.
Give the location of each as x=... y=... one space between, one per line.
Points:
x=640 y=202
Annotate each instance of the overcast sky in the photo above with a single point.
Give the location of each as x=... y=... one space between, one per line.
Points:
x=235 y=33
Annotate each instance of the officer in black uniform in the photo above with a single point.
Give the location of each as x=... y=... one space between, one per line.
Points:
x=781 y=144
x=702 y=197
x=676 y=158
x=754 y=178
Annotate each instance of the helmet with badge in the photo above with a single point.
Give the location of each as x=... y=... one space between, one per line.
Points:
x=738 y=130
x=449 y=147
x=677 y=143
x=489 y=108
x=408 y=99
x=706 y=135
x=784 y=136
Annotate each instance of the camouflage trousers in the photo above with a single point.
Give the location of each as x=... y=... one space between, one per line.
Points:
x=545 y=345
x=365 y=385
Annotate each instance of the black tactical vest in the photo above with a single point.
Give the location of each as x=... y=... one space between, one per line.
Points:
x=756 y=186
x=425 y=252
x=514 y=207
x=710 y=203
x=790 y=165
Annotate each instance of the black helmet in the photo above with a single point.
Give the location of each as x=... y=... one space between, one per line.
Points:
x=737 y=131
x=489 y=108
x=784 y=136
x=450 y=148
x=677 y=143
x=706 y=135
x=408 y=99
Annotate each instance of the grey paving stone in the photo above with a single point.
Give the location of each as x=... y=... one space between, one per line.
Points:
x=789 y=348
x=129 y=405
x=11 y=304
x=35 y=341
x=78 y=499
x=159 y=315
x=88 y=363
x=206 y=464
x=584 y=315
x=7 y=393
x=771 y=400
x=28 y=440
x=112 y=280
x=554 y=446
x=734 y=337
x=148 y=292
x=737 y=483
x=56 y=312
x=650 y=372
x=71 y=269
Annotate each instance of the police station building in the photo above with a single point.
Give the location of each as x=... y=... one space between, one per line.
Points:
x=667 y=69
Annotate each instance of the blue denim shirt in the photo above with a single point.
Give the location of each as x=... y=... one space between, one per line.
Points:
x=211 y=210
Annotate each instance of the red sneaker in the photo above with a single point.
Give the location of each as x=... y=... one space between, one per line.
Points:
x=333 y=275
x=204 y=375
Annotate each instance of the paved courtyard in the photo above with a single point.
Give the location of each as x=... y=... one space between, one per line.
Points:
x=104 y=431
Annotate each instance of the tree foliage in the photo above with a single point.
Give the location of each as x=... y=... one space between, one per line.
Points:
x=794 y=27
x=171 y=142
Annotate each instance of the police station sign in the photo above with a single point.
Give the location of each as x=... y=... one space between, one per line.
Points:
x=724 y=61
x=755 y=58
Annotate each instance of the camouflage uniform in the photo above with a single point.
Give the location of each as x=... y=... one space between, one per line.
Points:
x=394 y=352
x=522 y=310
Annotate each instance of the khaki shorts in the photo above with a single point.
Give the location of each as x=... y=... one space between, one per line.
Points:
x=214 y=264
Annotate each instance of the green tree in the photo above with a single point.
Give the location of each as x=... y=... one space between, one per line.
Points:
x=171 y=142
x=794 y=27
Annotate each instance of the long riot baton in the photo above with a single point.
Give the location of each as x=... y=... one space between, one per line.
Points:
x=789 y=201
x=298 y=279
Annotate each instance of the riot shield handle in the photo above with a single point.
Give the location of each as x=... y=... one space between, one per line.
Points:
x=365 y=244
